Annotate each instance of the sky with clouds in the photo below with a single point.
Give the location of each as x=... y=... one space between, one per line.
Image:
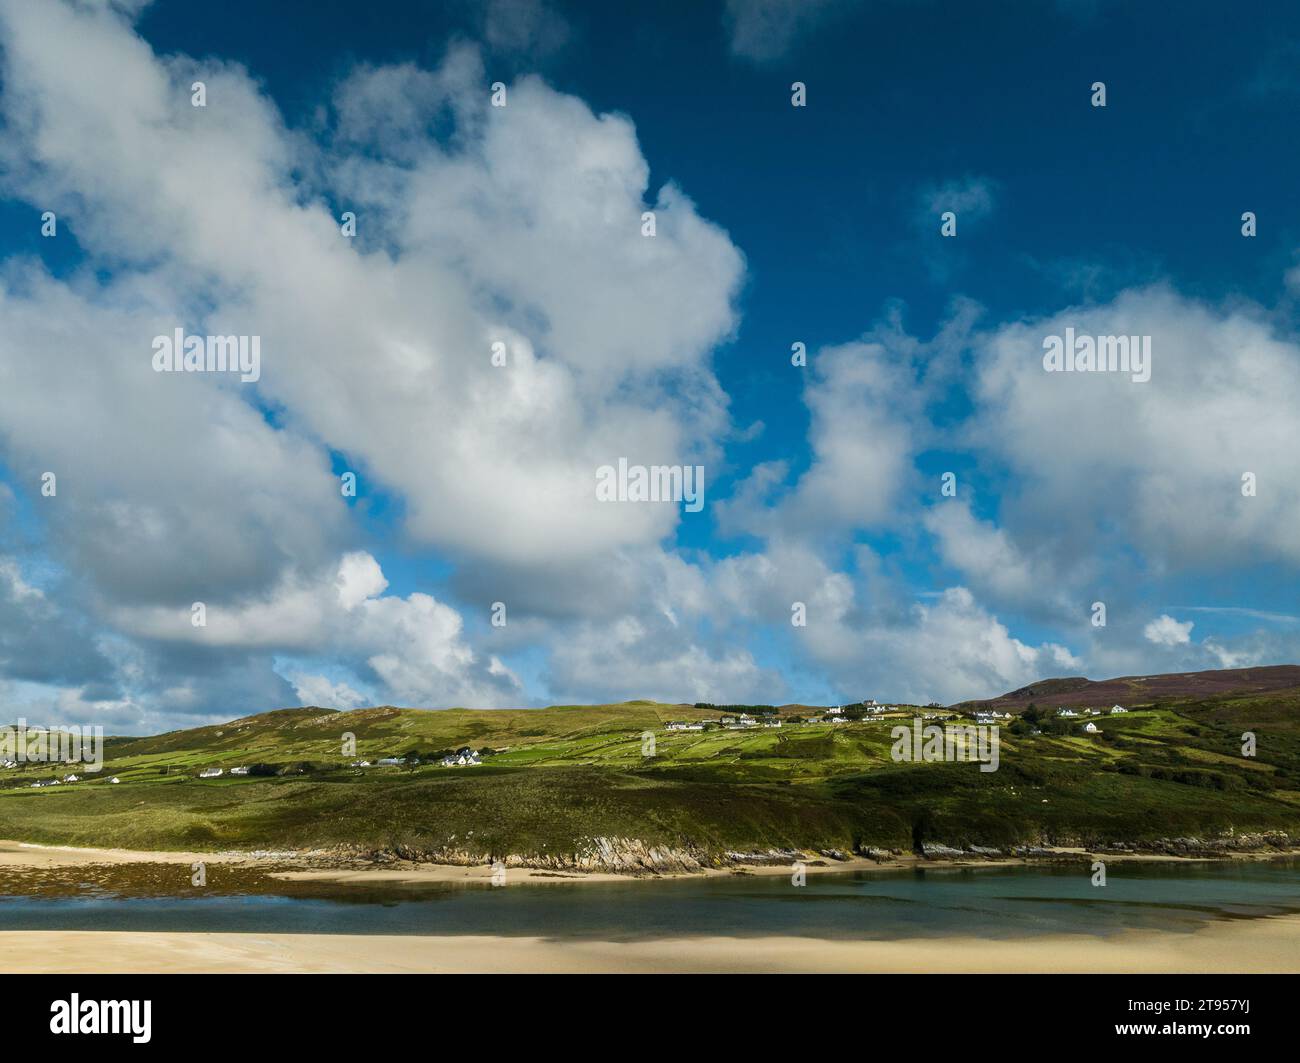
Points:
x=519 y=228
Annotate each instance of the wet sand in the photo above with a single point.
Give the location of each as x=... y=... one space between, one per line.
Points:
x=1237 y=946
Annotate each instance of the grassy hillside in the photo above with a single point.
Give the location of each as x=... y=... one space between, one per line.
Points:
x=1075 y=691
x=561 y=776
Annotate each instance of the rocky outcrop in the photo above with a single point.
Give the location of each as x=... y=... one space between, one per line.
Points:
x=632 y=856
x=765 y=857
x=625 y=855
x=1222 y=845
x=1263 y=842
x=934 y=849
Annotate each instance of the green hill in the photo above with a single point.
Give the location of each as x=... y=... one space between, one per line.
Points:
x=552 y=780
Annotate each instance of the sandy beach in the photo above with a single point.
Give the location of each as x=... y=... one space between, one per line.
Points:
x=1260 y=946
x=28 y=854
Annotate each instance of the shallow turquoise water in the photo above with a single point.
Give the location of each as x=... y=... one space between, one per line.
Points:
x=985 y=902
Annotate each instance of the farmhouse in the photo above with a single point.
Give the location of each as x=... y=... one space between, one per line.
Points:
x=462 y=758
x=239 y=771
x=1117 y=708
x=210 y=773
x=683 y=725
x=1090 y=728
x=1066 y=712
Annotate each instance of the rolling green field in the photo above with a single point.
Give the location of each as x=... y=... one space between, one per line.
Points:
x=557 y=778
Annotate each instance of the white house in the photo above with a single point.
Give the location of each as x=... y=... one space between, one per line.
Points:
x=1117 y=708
x=238 y=771
x=1066 y=712
x=773 y=721
x=1090 y=728
x=392 y=760
x=114 y=780
x=836 y=711
x=683 y=725
x=209 y=773
x=462 y=758
x=71 y=778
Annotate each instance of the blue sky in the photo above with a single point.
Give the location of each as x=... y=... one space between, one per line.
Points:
x=777 y=224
